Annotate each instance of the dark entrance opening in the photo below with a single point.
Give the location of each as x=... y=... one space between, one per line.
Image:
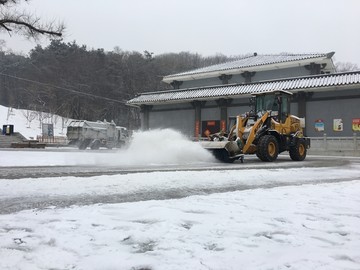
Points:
x=209 y=127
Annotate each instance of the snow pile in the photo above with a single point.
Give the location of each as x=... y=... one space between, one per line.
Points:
x=28 y=122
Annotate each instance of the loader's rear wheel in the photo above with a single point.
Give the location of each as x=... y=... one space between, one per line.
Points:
x=298 y=151
x=267 y=148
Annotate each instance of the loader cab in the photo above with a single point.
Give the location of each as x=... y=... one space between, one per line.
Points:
x=231 y=122
x=277 y=102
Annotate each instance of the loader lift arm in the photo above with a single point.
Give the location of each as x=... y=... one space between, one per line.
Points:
x=254 y=131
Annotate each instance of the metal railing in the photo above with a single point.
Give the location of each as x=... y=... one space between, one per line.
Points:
x=326 y=143
x=53 y=139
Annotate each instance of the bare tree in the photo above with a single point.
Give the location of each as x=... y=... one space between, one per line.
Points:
x=29 y=25
x=345 y=66
x=29 y=115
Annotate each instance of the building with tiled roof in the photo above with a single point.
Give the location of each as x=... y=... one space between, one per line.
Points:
x=211 y=95
x=261 y=64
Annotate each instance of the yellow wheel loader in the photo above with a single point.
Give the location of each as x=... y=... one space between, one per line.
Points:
x=267 y=130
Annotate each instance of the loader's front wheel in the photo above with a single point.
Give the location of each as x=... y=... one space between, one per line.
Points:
x=298 y=151
x=267 y=148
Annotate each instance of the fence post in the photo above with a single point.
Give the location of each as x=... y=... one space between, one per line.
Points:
x=325 y=142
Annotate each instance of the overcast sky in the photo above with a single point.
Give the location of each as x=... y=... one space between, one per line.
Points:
x=230 y=27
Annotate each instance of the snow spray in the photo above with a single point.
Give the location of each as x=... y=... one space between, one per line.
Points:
x=160 y=146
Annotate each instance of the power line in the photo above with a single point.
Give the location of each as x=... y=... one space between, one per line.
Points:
x=62 y=88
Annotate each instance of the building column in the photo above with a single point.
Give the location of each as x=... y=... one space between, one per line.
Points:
x=223 y=105
x=145 y=110
x=197 y=105
x=302 y=98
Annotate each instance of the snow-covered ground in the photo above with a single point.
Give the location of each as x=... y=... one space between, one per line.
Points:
x=28 y=122
x=288 y=218
x=294 y=227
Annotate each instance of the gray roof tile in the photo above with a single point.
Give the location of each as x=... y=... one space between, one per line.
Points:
x=297 y=83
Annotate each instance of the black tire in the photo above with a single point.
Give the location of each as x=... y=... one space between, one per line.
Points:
x=258 y=155
x=298 y=151
x=223 y=155
x=95 y=145
x=84 y=144
x=267 y=148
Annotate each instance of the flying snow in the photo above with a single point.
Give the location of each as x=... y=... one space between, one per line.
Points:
x=155 y=147
x=162 y=146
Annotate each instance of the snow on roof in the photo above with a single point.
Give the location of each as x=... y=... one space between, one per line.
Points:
x=254 y=62
x=235 y=90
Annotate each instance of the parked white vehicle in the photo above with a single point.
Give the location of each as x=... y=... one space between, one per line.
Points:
x=83 y=134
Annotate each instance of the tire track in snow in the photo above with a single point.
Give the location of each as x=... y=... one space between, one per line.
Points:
x=16 y=204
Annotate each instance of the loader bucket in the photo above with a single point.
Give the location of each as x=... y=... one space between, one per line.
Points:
x=225 y=151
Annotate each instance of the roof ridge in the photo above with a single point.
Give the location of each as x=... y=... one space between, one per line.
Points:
x=249 y=55
x=272 y=54
x=229 y=65
x=290 y=53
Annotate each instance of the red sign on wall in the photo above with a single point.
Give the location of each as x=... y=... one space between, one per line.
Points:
x=210 y=127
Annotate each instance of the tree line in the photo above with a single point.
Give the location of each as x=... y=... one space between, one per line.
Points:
x=73 y=81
